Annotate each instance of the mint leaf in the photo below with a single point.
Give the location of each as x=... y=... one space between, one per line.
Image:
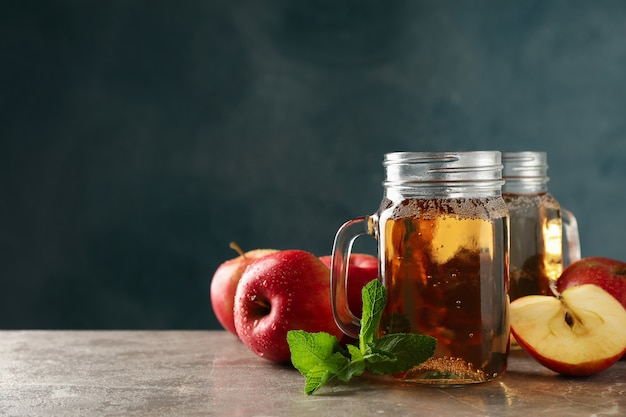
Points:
x=399 y=352
x=319 y=357
x=316 y=378
x=355 y=367
x=355 y=353
x=309 y=350
x=374 y=297
x=371 y=359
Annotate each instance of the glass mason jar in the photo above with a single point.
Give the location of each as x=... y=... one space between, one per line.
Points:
x=544 y=236
x=442 y=232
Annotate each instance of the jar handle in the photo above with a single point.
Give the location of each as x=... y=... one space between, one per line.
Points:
x=342 y=247
x=571 y=239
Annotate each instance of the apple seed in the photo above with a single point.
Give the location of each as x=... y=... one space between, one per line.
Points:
x=568 y=319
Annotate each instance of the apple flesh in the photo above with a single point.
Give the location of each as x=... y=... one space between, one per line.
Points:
x=224 y=284
x=362 y=269
x=580 y=333
x=286 y=290
x=609 y=274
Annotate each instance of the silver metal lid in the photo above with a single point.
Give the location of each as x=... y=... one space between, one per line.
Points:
x=525 y=172
x=451 y=172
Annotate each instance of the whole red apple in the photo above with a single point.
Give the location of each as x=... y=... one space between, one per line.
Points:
x=609 y=274
x=287 y=290
x=362 y=269
x=224 y=284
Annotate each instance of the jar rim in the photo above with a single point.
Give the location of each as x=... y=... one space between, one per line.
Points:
x=525 y=172
x=444 y=169
x=484 y=156
x=524 y=164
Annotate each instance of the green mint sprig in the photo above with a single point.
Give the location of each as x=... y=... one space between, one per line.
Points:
x=319 y=357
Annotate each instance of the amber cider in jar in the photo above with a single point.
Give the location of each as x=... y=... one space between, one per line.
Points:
x=536 y=237
x=443 y=269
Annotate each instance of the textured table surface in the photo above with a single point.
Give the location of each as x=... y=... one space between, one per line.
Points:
x=198 y=373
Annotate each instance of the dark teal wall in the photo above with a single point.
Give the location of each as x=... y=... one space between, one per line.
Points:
x=138 y=138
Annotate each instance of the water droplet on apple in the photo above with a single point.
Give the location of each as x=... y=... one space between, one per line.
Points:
x=265 y=283
x=273 y=326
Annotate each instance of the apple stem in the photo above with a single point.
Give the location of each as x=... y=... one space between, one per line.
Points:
x=236 y=247
x=555 y=292
x=263 y=304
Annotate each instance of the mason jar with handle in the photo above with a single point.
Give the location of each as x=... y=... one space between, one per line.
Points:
x=544 y=235
x=443 y=243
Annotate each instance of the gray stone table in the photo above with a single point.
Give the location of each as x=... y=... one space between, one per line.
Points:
x=210 y=373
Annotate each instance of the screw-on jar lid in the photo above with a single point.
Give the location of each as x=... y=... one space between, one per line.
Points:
x=444 y=172
x=525 y=172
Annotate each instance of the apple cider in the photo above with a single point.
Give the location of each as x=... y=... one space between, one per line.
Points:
x=445 y=270
x=442 y=229
x=536 y=256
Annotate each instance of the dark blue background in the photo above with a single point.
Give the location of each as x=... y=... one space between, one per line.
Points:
x=138 y=138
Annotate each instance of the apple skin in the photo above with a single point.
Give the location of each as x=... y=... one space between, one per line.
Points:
x=286 y=290
x=224 y=285
x=362 y=269
x=609 y=274
x=591 y=341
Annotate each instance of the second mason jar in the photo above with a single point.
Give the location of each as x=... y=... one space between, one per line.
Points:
x=442 y=231
x=544 y=236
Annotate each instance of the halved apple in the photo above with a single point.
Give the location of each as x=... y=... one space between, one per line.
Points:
x=580 y=333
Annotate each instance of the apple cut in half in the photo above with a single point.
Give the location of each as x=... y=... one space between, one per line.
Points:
x=580 y=333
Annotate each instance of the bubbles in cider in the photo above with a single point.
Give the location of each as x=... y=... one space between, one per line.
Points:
x=446 y=275
x=536 y=243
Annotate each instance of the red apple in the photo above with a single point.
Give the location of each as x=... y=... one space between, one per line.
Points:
x=580 y=333
x=224 y=284
x=362 y=269
x=609 y=274
x=287 y=290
